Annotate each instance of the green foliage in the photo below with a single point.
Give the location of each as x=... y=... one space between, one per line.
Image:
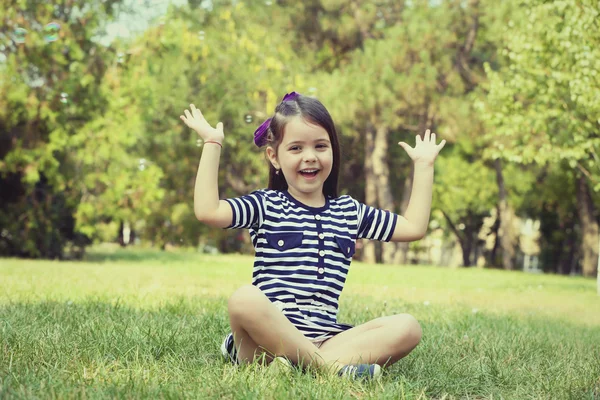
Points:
x=182 y=61
x=543 y=108
x=96 y=127
x=406 y=78
x=49 y=90
x=464 y=187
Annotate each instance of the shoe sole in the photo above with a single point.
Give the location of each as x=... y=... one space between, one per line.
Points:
x=281 y=364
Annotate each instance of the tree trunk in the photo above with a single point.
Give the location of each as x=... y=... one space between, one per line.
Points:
x=382 y=175
x=505 y=215
x=567 y=253
x=467 y=248
x=494 y=231
x=598 y=277
x=469 y=244
x=463 y=241
x=370 y=192
x=589 y=228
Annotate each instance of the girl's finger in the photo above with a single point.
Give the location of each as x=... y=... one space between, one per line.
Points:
x=187 y=114
x=441 y=145
x=419 y=140
x=405 y=146
x=427 y=136
x=433 y=138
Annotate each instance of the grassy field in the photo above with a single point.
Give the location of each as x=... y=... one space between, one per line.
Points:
x=145 y=324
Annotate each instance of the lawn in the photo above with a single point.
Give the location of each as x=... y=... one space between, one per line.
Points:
x=148 y=324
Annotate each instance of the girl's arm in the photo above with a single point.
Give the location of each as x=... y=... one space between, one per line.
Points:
x=207 y=206
x=413 y=225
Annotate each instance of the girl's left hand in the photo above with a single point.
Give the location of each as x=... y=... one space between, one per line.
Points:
x=425 y=151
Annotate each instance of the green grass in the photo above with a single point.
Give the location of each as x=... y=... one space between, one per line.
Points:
x=146 y=324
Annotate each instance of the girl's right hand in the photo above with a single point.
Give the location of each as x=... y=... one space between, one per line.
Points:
x=195 y=120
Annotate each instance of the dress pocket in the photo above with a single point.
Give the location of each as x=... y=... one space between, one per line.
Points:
x=284 y=240
x=347 y=246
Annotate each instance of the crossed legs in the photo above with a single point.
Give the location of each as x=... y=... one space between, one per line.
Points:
x=261 y=330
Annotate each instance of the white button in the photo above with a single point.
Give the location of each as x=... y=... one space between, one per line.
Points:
x=321 y=270
x=321 y=236
x=280 y=243
x=317 y=217
x=321 y=253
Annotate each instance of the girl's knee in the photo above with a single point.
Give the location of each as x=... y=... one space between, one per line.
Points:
x=410 y=328
x=245 y=300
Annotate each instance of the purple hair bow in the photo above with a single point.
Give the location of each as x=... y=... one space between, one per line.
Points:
x=260 y=134
x=290 y=96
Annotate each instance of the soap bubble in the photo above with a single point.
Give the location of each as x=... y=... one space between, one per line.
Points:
x=248 y=118
x=201 y=35
x=51 y=32
x=19 y=35
x=199 y=142
x=64 y=98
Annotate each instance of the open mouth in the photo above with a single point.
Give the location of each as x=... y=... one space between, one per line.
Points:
x=309 y=173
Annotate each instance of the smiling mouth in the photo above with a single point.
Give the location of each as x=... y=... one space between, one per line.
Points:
x=309 y=173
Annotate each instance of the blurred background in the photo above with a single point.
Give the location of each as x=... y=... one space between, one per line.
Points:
x=92 y=150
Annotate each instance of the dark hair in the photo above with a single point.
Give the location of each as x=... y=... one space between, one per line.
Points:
x=312 y=111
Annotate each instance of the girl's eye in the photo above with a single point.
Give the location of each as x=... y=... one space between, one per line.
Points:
x=321 y=146
x=293 y=148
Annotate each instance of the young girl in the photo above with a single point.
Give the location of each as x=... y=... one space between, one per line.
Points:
x=304 y=235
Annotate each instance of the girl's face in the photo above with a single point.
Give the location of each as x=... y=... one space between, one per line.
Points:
x=305 y=158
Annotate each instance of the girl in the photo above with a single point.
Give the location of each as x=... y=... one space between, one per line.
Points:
x=304 y=235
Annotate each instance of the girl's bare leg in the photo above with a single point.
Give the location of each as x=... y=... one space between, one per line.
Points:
x=259 y=327
x=383 y=341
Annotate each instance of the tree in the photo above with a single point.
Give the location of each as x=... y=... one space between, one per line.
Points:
x=410 y=79
x=544 y=106
x=51 y=72
x=182 y=60
x=464 y=192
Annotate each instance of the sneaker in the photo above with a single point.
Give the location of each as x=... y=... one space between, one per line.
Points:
x=361 y=371
x=228 y=349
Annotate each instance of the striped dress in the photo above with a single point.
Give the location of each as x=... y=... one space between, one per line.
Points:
x=303 y=253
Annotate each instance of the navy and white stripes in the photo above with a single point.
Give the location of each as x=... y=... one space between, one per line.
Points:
x=303 y=253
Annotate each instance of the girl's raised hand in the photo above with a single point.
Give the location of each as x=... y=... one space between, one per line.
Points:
x=426 y=150
x=195 y=120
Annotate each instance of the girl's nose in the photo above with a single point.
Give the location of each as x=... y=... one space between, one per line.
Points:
x=309 y=155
